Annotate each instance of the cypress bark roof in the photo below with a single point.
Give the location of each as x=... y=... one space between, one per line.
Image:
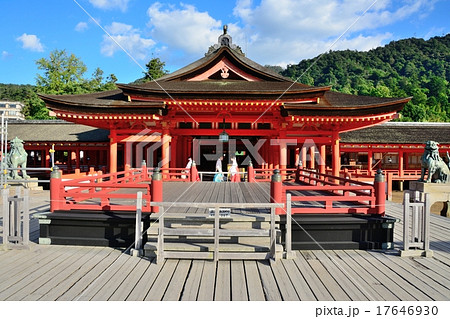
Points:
x=224 y=74
x=400 y=133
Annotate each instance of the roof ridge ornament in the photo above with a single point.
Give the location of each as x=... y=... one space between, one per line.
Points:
x=225 y=40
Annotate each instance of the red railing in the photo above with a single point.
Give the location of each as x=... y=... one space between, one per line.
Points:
x=331 y=195
x=116 y=191
x=265 y=174
x=174 y=174
x=322 y=193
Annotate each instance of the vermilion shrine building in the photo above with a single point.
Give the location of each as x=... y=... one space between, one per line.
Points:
x=224 y=91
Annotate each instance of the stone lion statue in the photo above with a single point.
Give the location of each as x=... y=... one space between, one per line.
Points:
x=17 y=157
x=431 y=161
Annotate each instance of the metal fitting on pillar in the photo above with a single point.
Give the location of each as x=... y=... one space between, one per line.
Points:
x=379 y=176
x=56 y=173
x=276 y=177
x=156 y=176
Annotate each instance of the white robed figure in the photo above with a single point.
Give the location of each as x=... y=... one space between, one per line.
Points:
x=188 y=168
x=234 y=171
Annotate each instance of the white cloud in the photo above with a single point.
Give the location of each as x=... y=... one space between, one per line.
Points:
x=281 y=32
x=6 y=55
x=110 y=4
x=287 y=31
x=184 y=28
x=81 y=26
x=129 y=38
x=31 y=42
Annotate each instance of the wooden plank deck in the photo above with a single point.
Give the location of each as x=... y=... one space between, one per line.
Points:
x=101 y=273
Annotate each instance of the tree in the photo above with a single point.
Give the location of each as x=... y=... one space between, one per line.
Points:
x=64 y=74
x=155 y=70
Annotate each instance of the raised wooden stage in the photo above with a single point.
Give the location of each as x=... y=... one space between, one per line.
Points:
x=48 y=272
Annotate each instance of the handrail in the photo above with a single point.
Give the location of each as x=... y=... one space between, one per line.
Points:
x=98 y=192
x=216 y=232
x=337 y=190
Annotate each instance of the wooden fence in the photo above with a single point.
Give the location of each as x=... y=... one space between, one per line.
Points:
x=216 y=232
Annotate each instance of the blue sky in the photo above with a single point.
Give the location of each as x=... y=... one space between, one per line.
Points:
x=276 y=32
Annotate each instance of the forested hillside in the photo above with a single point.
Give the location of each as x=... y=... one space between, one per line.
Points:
x=411 y=67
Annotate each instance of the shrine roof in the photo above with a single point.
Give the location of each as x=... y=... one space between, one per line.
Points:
x=400 y=133
x=212 y=57
x=224 y=89
x=340 y=104
x=102 y=102
x=55 y=131
x=224 y=73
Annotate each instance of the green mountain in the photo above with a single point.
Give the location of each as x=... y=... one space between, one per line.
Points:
x=411 y=67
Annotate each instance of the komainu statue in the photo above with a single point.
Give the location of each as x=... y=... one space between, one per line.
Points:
x=17 y=157
x=438 y=170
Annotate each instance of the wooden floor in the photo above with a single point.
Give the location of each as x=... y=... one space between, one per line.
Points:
x=94 y=273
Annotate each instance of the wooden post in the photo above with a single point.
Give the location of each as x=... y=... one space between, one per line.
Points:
x=406 y=221
x=138 y=230
x=276 y=190
x=250 y=173
x=380 y=193
x=5 y=194
x=55 y=188
x=156 y=189
x=426 y=226
x=160 y=253
x=273 y=246
x=288 y=239
x=216 y=233
x=26 y=217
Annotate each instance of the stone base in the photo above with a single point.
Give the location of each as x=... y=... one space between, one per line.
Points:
x=438 y=193
x=339 y=231
x=31 y=183
x=89 y=228
x=416 y=253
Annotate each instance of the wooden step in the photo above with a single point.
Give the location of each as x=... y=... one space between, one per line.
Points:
x=196 y=250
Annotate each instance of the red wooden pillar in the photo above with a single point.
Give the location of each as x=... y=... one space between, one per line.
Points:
x=401 y=163
x=312 y=153
x=266 y=154
x=173 y=152
x=369 y=162
x=156 y=189
x=271 y=156
x=276 y=163
x=323 y=157
x=113 y=152
x=276 y=190
x=165 y=153
x=55 y=182
x=283 y=157
x=303 y=157
x=380 y=193
x=250 y=173
x=336 y=154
